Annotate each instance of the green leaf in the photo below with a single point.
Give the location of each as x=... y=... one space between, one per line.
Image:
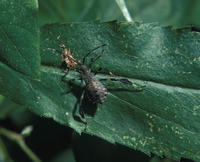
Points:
x=19 y=36
x=162 y=119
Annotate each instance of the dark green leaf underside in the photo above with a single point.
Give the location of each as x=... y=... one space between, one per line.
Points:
x=162 y=119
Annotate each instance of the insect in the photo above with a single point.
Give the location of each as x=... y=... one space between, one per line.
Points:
x=67 y=57
x=68 y=61
x=95 y=91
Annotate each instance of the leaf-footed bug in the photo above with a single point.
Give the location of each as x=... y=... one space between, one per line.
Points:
x=94 y=89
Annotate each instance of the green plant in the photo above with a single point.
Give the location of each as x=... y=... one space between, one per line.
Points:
x=162 y=119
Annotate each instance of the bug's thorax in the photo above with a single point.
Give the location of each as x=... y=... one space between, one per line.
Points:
x=86 y=74
x=95 y=90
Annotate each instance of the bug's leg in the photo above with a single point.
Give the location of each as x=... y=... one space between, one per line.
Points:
x=66 y=72
x=73 y=79
x=70 y=82
x=106 y=69
x=125 y=81
x=91 y=52
x=81 y=110
x=100 y=69
x=92 y=61
x=94 y=58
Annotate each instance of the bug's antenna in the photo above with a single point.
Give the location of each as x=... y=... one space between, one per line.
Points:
x=92 y=51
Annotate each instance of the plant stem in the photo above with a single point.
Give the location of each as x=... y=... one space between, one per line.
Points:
x=4 y=152
x=20 y=140
x=124 y=10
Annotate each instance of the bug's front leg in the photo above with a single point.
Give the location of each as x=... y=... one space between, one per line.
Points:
x=94 y=58
x=84 y=58
x=73 y=79
x=70 y=84
x=106 y=69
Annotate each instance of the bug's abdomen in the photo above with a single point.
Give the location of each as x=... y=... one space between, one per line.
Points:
x=96 y=92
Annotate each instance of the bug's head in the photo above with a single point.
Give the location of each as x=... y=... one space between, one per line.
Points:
x=84 y=69
x=81 y=65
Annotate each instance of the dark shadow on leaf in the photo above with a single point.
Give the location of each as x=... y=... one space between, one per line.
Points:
x=75 y=90
x=88 y=107
x=194 y=28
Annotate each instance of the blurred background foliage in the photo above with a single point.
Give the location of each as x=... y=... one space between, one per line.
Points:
x=176 y=13
x=57 y=143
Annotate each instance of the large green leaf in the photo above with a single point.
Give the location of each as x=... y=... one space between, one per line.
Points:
x=162 y=119
x=19 y=36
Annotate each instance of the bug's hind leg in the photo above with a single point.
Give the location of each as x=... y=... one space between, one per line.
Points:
x=81 y=116
x=124 y=81
x=81 y=110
